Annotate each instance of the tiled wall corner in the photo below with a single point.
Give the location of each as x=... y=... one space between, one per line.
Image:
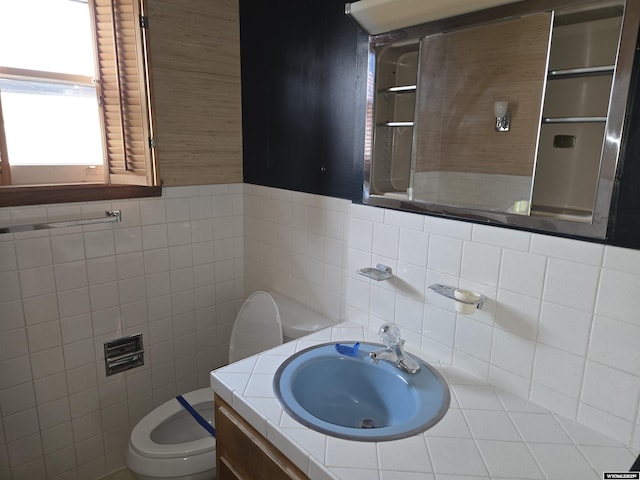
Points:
x=295 y=243
x=560 y=326
x=173 y=270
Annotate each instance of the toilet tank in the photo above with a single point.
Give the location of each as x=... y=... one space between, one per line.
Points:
x=297 y=319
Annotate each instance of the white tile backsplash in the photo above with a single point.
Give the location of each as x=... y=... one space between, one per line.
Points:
x=559 y=370
x=559 y=324
x=386 y=240
x=552 y=304
x=512 y=239
x=617 y=296
x=611 y=390
x=522 y=273
x=571 y=284
x=565 y=328
x=513 y=353
x=445 y=255
x=567 y=249
x=614 y=343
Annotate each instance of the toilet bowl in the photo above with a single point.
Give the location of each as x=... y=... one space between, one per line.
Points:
x=168 y=442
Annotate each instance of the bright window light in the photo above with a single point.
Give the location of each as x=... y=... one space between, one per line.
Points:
x=48 y=118
x=46 y=123
x=47 y=35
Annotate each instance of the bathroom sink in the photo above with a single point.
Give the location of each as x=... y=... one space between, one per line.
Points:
x=347 y=395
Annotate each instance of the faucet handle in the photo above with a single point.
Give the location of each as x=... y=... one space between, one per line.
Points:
x=390 y=335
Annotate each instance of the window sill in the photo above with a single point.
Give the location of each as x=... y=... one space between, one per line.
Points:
x=12 y=196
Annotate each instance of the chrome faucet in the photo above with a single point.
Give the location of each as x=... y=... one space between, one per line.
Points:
x=394 y=351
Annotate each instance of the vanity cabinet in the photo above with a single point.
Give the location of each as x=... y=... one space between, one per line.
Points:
x=242 y=453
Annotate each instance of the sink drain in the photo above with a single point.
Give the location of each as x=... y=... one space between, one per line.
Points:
x=367 y=423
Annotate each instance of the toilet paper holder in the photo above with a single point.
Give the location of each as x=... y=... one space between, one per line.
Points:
x=123 y=354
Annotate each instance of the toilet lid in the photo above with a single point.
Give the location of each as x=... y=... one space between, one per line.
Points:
x=257 y=327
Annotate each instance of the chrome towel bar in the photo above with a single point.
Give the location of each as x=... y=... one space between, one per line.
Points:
x=111 y=216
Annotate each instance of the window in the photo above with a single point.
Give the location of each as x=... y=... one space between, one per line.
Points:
x=75 y=102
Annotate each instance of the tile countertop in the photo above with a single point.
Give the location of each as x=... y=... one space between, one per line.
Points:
x=487 y=433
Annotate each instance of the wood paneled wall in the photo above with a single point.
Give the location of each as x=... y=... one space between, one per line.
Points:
x=195 y=65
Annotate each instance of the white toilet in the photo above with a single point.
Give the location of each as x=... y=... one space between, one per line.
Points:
x=168 y=442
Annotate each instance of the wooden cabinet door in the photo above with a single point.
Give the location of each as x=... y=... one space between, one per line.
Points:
x=242 y=453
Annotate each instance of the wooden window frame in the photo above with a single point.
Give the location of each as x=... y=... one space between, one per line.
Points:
x=127 y=124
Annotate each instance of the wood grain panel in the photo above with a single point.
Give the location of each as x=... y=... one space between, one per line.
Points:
x=462 y=74
x=237 y=441
x=195 y=63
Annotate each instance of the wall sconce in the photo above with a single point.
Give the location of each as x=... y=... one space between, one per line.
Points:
x=503 y=116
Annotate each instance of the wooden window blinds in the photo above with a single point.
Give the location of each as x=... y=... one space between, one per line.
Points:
x=124 y=91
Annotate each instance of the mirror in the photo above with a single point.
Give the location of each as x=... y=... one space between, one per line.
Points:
x=509 y=116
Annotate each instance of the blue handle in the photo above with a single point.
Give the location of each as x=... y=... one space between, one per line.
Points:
x=347 y=350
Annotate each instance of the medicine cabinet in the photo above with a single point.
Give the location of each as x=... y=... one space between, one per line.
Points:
x=513 y=115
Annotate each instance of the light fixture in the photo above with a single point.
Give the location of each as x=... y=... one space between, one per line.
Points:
x=503 y=116
x=379 y=16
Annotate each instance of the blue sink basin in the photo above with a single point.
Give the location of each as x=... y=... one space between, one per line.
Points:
x=351 y=397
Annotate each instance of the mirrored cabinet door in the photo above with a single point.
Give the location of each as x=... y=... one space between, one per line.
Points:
x=461 y=158
x=512 y=116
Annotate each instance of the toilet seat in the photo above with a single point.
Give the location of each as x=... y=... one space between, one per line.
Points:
x=264 y=321
x=142 y=444
x=257 y=327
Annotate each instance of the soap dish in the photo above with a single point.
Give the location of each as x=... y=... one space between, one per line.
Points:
x=467 y=301
x=381 y=272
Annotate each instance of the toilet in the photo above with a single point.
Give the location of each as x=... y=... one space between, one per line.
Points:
x=168 y=442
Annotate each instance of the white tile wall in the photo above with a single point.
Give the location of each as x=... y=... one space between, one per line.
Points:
x=170 y=270
x=560 y=326
x=296 y=243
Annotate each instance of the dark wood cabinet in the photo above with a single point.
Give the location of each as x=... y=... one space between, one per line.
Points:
x=242 y=453
x=304 y=79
